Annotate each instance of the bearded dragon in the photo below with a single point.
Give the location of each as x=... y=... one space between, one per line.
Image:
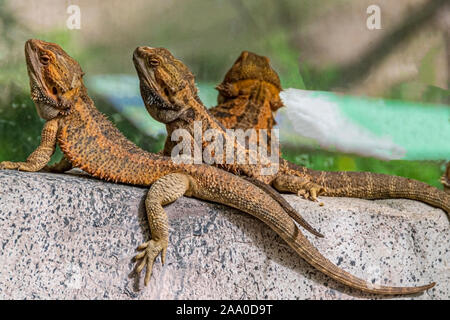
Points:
x=170 y=95
x=249 y=95
x=91 y=142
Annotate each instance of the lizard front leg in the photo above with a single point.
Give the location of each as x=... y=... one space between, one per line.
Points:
x=298 y=185
x=164 y=191
x=41 y=156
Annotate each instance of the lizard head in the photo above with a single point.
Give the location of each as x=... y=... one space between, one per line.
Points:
x=55 y=78
x=250 y=66
x=166 y=84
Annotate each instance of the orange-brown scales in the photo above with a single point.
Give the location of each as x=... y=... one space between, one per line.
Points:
x=173 y=100
x=90 y=141
x=249 y=95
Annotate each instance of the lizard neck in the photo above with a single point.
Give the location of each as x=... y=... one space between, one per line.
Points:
x=92 y=143
x=194 y=116
x=196 y=119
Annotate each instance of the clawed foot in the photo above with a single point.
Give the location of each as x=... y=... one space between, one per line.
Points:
x=311 y=191
x=10 y=165
x=150 y=250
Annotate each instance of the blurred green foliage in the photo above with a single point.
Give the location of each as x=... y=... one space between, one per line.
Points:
x=20 y=127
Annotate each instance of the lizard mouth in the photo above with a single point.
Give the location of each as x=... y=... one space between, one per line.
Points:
x=154 y=92
x=40 y=92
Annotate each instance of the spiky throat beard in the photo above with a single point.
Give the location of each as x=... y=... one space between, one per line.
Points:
x=47 y=107
x=151 y=98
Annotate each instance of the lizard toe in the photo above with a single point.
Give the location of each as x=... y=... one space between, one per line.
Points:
x=311 y=191
x=9 y=165
x=26 y=167
x=145 y=259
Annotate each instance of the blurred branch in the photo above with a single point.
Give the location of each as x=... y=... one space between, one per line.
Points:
x=356 y=70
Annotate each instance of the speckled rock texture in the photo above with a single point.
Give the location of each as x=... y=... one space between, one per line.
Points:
x=72 y=237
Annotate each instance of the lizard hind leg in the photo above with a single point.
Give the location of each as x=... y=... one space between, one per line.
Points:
x=300 y=186
x=164 y=191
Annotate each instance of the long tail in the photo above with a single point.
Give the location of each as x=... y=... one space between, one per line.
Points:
x=285 y=205
x=256 y=202
x=304 y=248
x=368 y=185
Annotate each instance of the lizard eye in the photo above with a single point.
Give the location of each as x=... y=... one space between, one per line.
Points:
x=45 y=59
x=166 y=92
x=153 y=62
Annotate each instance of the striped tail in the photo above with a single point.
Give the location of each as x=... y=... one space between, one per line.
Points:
x=265 y=208
x=285 y=205
x=308 y=252
x=368 y=185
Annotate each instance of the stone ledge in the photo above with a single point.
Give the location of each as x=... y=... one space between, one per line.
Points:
x=72 y=237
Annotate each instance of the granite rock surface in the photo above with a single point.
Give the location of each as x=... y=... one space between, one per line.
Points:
x=67 y=236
